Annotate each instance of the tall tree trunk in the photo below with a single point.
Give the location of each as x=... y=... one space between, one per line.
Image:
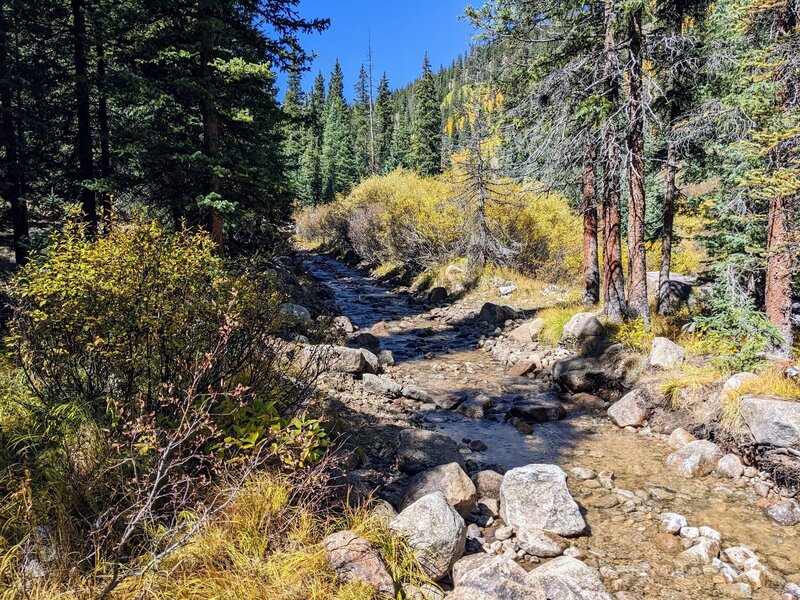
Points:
x=102 y=122
x=665 y=302
x=85 y=160
x=11 y=184
x=638 y=306
x=210 y=129
x=613 y=277
x=591 y=269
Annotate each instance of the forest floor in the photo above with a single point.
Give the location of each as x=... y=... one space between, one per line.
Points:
x=437 y=348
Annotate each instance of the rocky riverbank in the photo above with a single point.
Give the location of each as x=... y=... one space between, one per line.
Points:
x=525 y=471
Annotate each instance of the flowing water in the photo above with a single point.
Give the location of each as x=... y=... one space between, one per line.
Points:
x=621 y=541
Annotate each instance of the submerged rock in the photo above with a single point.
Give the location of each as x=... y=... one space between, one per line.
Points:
x=419 y=450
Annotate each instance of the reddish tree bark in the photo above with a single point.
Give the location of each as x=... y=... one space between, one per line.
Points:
x=591 y=268
x=613 y=278
x=638 y=306
x=780 y=258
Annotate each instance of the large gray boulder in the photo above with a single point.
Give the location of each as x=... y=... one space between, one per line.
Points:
x=381 y=386
x=582 y=326
x=786 y=512
x=435 y=532
x=419 y=450
x=578 y=374
x=666 y=354
x=339 y=359
x=772 y=421
x=496 y=314
x=632 y=410
x=543 y=544
x=736 y=382
x=567 y=578
x=494 y=578
x=296 y=312
x=696 y=459
x=536 y=497
x=355 y=559
x=450 y=480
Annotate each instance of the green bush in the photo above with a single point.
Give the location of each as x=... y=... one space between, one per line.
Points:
x=739 y=334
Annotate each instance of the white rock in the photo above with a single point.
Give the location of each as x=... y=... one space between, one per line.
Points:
x=498 y=578
x=679 y=438
x=666 y=354
x=451 y=480
x=631 y=410
x=696 y=459
x=738 y=555
x=702 y=553
x=566 y=578
x=673 y=523
x=730 y=466
x=435 y=531
x=581 y=326
x=536 y=496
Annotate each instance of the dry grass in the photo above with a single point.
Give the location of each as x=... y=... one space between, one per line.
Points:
x=555 y=318
x=265 y=546
x=688 y=377
x=767 y=382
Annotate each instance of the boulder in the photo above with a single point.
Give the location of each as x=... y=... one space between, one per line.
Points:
x=543 y=544
x=476 y=407
x=786 y=512
x=696 y=459
x=344 y=323
x=435 y=532
x=442 y=399
x=577 y=374
x=539 y=408
x=355 y=559
x=386 y=358
x=738 y=556
x=437 y=295
x=632 y=410
x=487 y=484
x=536 y=496
x=582 y=326
x=702 y=553
x=772 y=421
x=337 y=358
x=736 y=382
x=730 y=466
x=673 y=523
x=364 y=340
x=381 y=386
x=419 y=450
x=666 y=354
x=372 y=361
x=679 y=438
x=450 y=480
x=566 y=578
x=496 y=314
x=494 y=578
x=527 y=332
x=680 y=288
x=522 y=367
x=296 y=312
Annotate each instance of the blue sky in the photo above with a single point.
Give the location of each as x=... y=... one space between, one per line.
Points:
x=401 y=33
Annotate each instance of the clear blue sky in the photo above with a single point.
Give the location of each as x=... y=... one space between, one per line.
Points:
x=401 y=33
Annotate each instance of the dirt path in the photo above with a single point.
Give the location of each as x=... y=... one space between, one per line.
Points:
x=437 y=349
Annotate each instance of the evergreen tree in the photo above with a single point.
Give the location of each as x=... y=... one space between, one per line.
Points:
x=339 y=166
x=362 y=135
x=427 y=124
x=383 y=126
x=296 y=134
x=401 y=153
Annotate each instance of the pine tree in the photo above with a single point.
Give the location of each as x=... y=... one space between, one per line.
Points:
x=339 y=166
x=401 y=153
x=383 y=126
x=427 y=133
x=362 y=135
x=296 y=136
